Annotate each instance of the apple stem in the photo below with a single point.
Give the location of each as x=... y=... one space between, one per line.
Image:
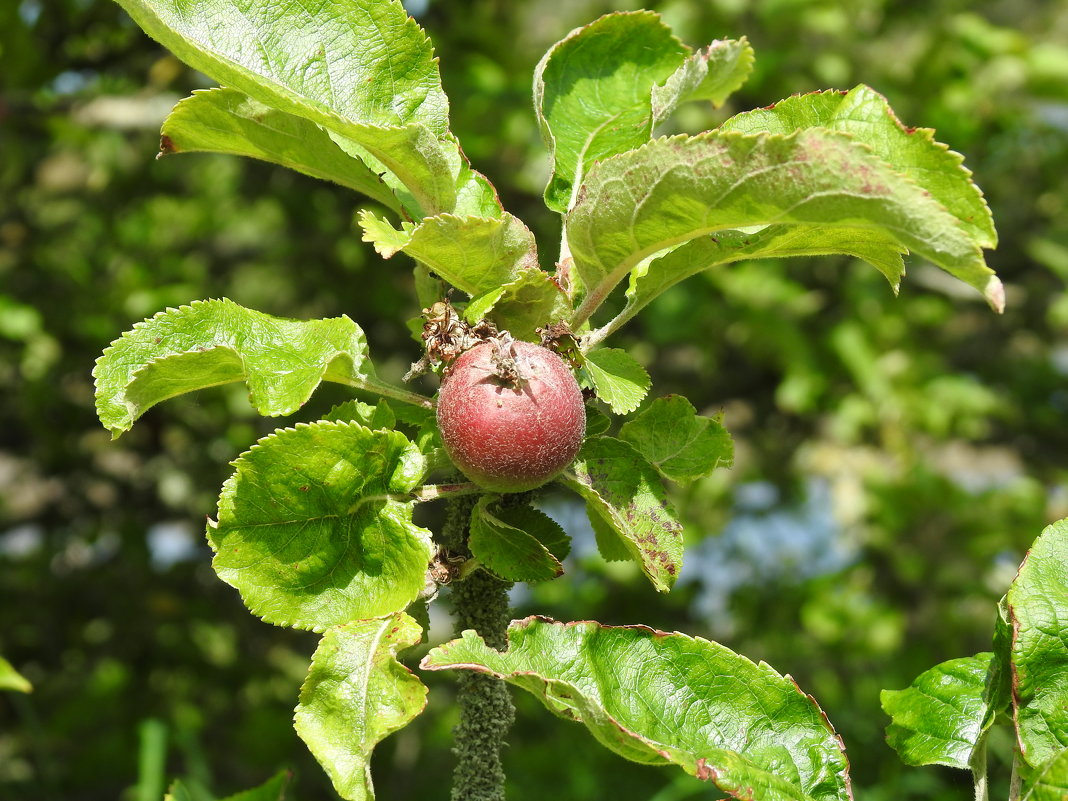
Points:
x=436 y=492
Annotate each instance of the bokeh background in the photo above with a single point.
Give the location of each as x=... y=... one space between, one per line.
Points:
x=895 y=456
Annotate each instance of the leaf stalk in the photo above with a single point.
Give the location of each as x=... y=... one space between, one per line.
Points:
x=387 y=390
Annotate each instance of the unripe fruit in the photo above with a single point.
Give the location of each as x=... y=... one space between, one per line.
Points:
x=511 y=415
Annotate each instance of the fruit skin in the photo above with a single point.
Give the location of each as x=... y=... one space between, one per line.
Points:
x=511 y=415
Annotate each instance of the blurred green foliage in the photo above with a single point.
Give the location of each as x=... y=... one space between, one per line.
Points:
x=895 y=456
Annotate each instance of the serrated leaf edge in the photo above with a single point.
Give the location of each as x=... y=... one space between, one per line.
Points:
x=230 y=482
x=993 y=291
x=184 y=309
x=395 y=647
x=620 y=409
x=701 y=771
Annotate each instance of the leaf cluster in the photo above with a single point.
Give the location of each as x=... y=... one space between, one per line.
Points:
x=946 y=716
x=315 y=526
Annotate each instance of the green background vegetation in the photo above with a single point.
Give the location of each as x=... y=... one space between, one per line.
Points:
x=894 y=456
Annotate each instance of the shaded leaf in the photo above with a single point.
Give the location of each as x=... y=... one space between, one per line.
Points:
x=866 y=115
x=593 y=93
x=315 y=526
x=274 y=789
x=943 y=717
x=713 y=73
x=1048 y=783
x=215 y=342
x=1038 y=610
x=663 y=698
x=677 y=441
x=530 y=301
x=226 y=121
x=597 y=422
x=610 y=544
x=11 y=679
x=517 y=543
x=648 y=280
x=424 y=424
x=356 y=694
x=617 y=377
x=636 y=205
x=187 y=791
x=625 y=492
x=474 y=254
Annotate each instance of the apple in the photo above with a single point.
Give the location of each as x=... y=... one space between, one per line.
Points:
x=511 y=415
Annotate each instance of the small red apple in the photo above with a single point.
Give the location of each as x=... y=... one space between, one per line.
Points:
x=511 y=415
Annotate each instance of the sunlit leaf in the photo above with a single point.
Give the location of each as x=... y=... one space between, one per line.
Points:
x=226 y=121
x=528 y=302
x=11 y=679
x=1048 y=783
x=943 y=718
x=617 y=377
x=474 y=254
x=663 y=698
x=375 y=416
x=356 y=694
x=1038 y=610
x=315 y=526
x=362 y=69
x=650 y=279
x=593 y=93
x=215 y=342
x=636 y=205
x=713 y=73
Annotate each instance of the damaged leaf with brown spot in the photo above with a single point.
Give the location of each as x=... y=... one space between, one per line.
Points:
x=626 y=501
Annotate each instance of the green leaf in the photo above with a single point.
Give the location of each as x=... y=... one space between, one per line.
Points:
x=624 y=490
x=649 y=279
x=447 y=178
x=663 y=698
x=274 y=789
x=517 y=543
x=865 y=114
x=713 y=73
x=593 y=93
x=474 y=254
x=187 y=791
x=1038 y=609
x=315 y=526
x=226 y=121
x=611 y=546
x=639 y=204
x=677 y=441
x=943 y=717
x=424 y=425
x=530 y=301
x=597 y=422
x=362 y=69
x=1049 y=783
x=617 y=377
x=215 y=342
x=11 y=679
x=356 y=694
x=375 y=416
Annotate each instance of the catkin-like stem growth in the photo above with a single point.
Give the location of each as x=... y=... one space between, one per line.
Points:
x=480 y=602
